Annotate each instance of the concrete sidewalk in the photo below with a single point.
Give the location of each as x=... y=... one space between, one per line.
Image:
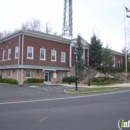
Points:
x=92 y=86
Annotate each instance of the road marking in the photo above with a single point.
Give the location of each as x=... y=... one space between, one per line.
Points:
x=64 y=98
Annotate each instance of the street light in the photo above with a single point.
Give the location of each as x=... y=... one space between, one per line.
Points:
x=75 y=54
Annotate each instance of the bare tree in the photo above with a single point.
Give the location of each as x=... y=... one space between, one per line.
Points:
x=48 y=28
x=5 y=33
x=25 y=26
x=34 y=24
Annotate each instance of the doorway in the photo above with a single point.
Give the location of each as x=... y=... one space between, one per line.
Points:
x=47 y=76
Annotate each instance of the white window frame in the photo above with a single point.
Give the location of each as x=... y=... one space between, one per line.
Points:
x=30 y=73
x=114 y=61
x=54 y=54
x=62 y=74
x=9 y=53
x=63 y=56
x=44 y=54
x=3 y=55
x=32 y=49
x=16 y=52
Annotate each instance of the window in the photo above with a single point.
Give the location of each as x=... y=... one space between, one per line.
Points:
x=114 y=61
x=53 y=55
x=3 y=56
x=9 y=53
x=62 y=74
x=119 y=63
x=63 y=57
x=29 y=52
x=28 y=73
x=16 y=52
x=8 y=73
x=42 y=54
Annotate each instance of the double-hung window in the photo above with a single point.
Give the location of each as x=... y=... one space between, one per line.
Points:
x=30 y=51
x=62 y=75
x=53 y=55
x=63 y=56
x=9 y=53
x=16 y=52
x=28 y=73
x=3 y=55
x=42 y=54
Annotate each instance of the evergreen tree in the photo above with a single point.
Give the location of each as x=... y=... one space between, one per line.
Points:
x=95 y=51
x=107 y=59
x=79 y=57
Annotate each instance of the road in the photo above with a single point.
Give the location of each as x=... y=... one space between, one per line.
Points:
x=78 y=112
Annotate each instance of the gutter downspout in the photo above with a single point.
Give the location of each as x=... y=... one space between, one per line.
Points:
x=70 y=56
x=22 y=59
x=18 y=57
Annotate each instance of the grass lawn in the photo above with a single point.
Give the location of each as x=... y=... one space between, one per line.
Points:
x=89 y=90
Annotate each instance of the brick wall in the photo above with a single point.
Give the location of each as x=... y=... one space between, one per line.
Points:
x=12 y=43
x=38 y=43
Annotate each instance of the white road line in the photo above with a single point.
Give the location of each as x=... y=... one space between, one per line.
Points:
x=64 y=98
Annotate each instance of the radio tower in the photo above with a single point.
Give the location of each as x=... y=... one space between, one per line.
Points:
x=67 y=20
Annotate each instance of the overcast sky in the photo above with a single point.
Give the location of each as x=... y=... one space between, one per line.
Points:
x=104 y=17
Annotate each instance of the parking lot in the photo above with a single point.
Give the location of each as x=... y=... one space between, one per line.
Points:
x=21 y=93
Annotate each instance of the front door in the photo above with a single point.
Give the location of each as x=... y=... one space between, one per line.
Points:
x=46 y=76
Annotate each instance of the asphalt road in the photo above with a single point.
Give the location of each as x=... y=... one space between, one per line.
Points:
x=79 y=112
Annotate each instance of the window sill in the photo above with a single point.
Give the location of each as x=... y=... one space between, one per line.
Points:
x=42 y=59
x=30 y=58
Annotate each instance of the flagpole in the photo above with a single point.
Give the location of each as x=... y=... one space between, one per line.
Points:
x=125 y=39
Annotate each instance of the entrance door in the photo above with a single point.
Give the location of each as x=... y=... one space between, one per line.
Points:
x=46 y=76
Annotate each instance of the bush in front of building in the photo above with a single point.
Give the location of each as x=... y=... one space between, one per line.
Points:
x=8 y=80
x=69 y=80
x=103 y=80
x=34 y=80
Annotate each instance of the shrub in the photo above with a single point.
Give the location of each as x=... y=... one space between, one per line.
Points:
x=9 y=81
x=100 y=83
x=100 y=79
x=70 y=79
x=34 y=80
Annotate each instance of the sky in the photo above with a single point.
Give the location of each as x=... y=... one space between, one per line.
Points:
x=103 y=17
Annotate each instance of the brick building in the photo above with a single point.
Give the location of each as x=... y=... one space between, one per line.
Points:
x=31 y=54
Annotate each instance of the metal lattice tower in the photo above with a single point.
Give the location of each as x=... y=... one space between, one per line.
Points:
x=67 y=20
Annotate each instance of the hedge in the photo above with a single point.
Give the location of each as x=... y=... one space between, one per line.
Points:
x=34 y=80
x=70 y=79
x=8 y=80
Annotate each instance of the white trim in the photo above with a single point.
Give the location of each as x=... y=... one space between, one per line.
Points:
x=16 y=51
x=30 y=72
x=54 y=54
x=64 y=56
x=32 y=51
x=70 y=56
x=22 y=48
x=9 y=52
x=3 y=55
x=44 y=54
x=62 y=74
x=19 y=51
x=114 y=61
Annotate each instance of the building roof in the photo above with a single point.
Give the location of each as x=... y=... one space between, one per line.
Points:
x=43 y=35
x=36 y=34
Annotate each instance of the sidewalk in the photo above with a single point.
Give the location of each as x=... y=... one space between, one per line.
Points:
x=93 y=86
